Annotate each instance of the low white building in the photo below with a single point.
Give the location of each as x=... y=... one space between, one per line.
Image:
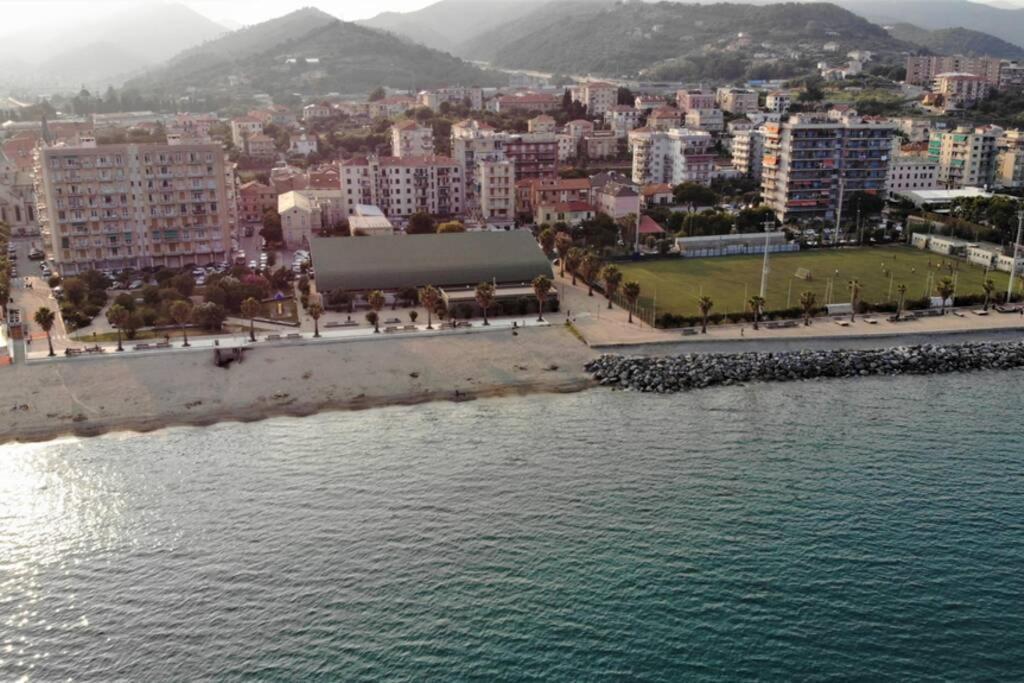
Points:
x=303 y=144
x=911 y=172
x=369 y=221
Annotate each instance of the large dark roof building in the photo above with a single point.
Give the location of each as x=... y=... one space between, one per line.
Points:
x=445 y=260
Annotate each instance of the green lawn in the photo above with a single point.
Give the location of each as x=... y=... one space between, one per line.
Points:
x=731 y=280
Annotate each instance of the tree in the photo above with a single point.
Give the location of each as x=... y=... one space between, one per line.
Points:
x=374 y=319
x=705 y=304
x=181 y=314
x=591 y=266
x=184 y=283
x=117 y=316
x=315 y=310
x=563 y=243
x=541 y=288
x=45 y=318
x=808 y=300
x=631 y=290
x=376 y=300
x=988 y=286
x=251 y=309
x=573 y=259
x=547 y=240
x=485 y=298
x=377 y=94
x=75 y=290
x=209 y=315
x=756 y=305
x=429 y=296
x=612 y=279
x=271 y=230
x=420 y=224
x=694 y=195
x=412 y=316
x=450 y=227
x=901 y=289
x=945 y=289
x=855 y=288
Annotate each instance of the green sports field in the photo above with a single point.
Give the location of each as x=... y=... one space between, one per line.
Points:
x=730 y=281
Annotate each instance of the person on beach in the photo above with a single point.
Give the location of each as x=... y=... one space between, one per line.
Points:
x=743 y=331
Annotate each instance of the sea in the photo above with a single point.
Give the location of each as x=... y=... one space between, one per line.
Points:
x=868 y=529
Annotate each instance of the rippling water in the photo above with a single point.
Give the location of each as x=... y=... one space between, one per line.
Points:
x=871 y=529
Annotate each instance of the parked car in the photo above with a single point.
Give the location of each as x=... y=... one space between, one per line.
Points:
x=136 y=284
x=36 y=254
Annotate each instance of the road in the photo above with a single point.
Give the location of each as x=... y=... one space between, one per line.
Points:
x=30 y=293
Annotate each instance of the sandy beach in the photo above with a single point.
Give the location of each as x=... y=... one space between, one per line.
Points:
x=90 y=396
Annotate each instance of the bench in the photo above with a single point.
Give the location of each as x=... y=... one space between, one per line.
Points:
x=410 y=327
x=843 y=323
x=294 y=335
x=790 y=323
x=690 y=331
x=141 y=347
x=73 y=352
x=980 y=312
x=393 y=321
x=272 y=337
x=163 y=345
x=390 y=328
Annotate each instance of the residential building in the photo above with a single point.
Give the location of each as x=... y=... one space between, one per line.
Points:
x=601 y=144
x=960 y=90
x=915 y=129
x=809 y=161
x=473 y=141
x=675 y=156
x=748 y=152
x=288 y=178
x=571 y=213
x=622 y=119
x=922 y=70
x=243 y=128
x=710 y=120
x=912 y=172
x=497 y=192
x=617 y=199
x=260 y=145
x=695 y=99
x=535 y=154
x=567 y=148
x=1010 y=159
x=657 y=194
x=646 y=103
x=369 y=221
x=456 y=95
x=134 y=205
x=1011 y=76
x=665 y=118
x=17 y=198
x=317 y=111
x=966 y=157
x=409 y=138
x=597 y=96
x=390 y=107
x=578 y=128
x=529 y=102
x=254 y=199
x=778 y=101
x=302 y=144
x=404 y=186
x=531 y=193
x=324 y=176
x=542 y=124
x=306 y=212
x=736 y=100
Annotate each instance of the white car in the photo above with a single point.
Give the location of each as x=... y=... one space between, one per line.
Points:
x=252 y=265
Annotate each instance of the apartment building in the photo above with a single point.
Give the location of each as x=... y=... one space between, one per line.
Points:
x=404 y=186
x=411 y=139
x=567 y=147
x=960 y=90
x=1010 y=159
x=622 y=119
x=778 y=101
x=665 y=118
x=306 y=212
x=497 y=192
x=254 y=199
x=473 y=141
x=542 y=124
x=908 y=172
x=260 y=145
x=317 y=111
x=810 y=161
x=302 y=144
x=922 y=70
x=736 y=100
x=647 y=103
x=243 y=128
x=916 y=130
x=617 y=199
x=529 y=102
x=390 y=107
x=577 y=128
x=748 y=151
x=455 y=95
x=695 y=99
x=535 y=154
x=135 y=205
x=532 y=193
x=675 y=156
x=597 y=96
x=710 y=120
x=17 y=198
x=601 y=144
x=966 y=157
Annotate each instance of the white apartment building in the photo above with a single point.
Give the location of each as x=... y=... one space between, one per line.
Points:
x=472 y=142
x=135 y=205
x=404 y=186
x=675 y=156
x=497 y=192
x=912 y=172
x=542 y=124
x=960 y=90
x=916 y=130
x=567 y=146
x=410 y=139
x=597 y=96
x=966 y=157
x=778 y=101
x=710 y=120
x=748 y=151
x=302 y=144
x=456 y=95
x=306 y=212
x=243 y=128
x=17 y=198
x=736 y=100
x=622 y=119
x=1010 y=159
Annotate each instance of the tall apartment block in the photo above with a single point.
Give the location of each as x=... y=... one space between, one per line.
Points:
x=135 y=205
x=497 y=192
x=966 y=157
x=748 y=152
x=922 y=70
x=809 y=161
x=410 y=139
x=674 y=156
x=1010 y=159
x=402 y=187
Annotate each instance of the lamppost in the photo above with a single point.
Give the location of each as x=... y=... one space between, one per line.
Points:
x=769 y=223
x=1016 y=255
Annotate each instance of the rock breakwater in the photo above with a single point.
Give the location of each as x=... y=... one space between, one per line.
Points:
x=669 y=374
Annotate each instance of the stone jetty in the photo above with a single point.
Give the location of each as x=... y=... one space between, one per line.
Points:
x=669 y=374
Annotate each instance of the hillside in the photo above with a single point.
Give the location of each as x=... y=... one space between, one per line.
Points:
x=1007 y=24
x=624 y=39
x=956 y=41
x=335 y=57
x=95 y=64
x=448 y=24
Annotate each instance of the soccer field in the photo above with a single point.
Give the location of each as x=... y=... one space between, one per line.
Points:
x=674 y=285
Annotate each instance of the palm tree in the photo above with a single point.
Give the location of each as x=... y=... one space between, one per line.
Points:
x=547 y=240
x=807 y=302
x=45 y=318
x=756 y=305
x=631 y=290
x=315 y=310
x=705 y=304
x=988 y=286
x=563 y=243
x=485 y=298
x=854 y=298
x=376 y=301
x=573 y=259
x=541 y=288
x=945 y=289
x=612 y=279
x=181 y=313
x=591 y=266
x=250 y=309
x=429 y=297
x=117 y=316
x=901 y=289
x=374 y=320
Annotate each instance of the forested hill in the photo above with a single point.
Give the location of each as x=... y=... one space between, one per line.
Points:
x=956 y=41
